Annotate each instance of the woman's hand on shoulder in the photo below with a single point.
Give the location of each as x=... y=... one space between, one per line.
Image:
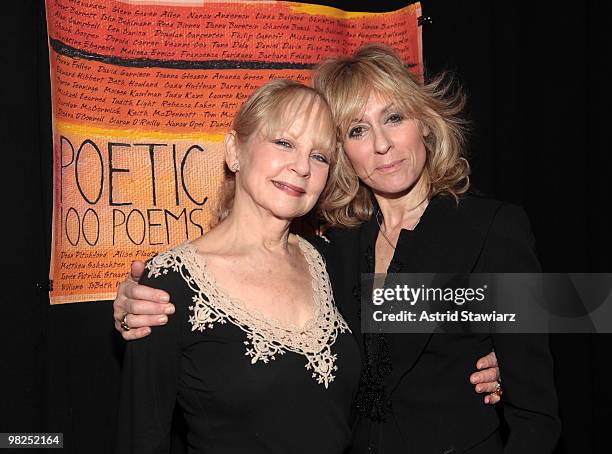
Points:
x=139 y=307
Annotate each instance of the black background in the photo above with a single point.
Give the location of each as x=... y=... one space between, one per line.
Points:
x=539 y=102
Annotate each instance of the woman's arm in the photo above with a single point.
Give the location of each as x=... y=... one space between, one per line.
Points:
x=149 y=384
x=525 y=361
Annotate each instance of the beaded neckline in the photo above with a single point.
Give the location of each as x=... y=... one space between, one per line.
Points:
x=267 y=338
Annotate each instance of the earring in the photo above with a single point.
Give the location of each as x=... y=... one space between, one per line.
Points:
x=235 y=167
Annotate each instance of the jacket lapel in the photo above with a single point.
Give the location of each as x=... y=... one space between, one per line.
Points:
x=444 y=241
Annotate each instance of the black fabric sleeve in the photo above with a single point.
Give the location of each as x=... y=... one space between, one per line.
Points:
x=334 y=243
x=150 y=377
x=525 y=360
x=320 y=244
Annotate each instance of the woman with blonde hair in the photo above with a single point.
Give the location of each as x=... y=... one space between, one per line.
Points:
x=398 y=172
x=403 y=180
x=250 y=375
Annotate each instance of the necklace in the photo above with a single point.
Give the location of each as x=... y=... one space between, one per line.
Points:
x=379 y=222
x=378 y=216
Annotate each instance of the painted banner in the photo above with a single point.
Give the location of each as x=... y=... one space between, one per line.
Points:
x=143 y=92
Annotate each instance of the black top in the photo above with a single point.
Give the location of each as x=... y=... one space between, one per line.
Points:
x=415 y=395
x=244 y=383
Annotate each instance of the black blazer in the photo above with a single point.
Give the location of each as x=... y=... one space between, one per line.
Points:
x=415 y=396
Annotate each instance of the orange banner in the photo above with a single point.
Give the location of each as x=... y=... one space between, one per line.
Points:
x=143 y=92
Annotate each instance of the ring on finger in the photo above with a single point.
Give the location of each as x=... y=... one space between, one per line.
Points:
x=123 y=323
x=498 y=390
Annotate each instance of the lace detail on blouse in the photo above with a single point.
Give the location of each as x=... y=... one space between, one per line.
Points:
x=266 y=337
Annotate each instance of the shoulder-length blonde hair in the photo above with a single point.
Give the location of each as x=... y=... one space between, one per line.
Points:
x=347 y=84
x=270 y=110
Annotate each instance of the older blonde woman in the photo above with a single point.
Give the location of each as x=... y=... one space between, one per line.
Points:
x=250 y=375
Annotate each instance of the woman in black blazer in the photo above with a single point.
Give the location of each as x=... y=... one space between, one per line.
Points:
x=412 y=396
x=406 y=191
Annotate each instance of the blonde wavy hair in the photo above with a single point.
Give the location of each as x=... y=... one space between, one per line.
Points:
x=270 y=110
x=348 y=83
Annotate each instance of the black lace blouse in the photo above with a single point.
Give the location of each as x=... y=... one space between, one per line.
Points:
x=245 y=384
